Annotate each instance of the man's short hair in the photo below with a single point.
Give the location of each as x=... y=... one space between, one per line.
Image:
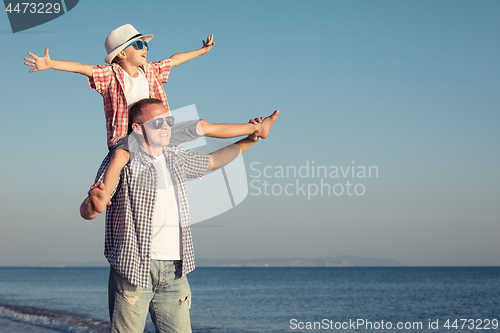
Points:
x=135 y=112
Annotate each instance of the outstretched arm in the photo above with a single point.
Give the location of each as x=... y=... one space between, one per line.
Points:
x=43 y=63
x=223 y=156
x=179 y=58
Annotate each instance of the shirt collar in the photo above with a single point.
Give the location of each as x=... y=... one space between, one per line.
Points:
x=144 y=157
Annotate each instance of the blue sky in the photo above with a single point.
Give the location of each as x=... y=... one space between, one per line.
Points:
x=408 y=87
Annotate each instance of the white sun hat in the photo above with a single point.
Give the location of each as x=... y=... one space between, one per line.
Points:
x=119 y=38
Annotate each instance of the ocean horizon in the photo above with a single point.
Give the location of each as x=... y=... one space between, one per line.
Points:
x=336 y=261
x=268 y=299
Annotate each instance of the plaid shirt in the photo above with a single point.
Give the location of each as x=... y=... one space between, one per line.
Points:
x=128 y=219
x=108 y=81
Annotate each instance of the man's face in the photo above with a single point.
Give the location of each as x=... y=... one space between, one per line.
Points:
x=153 y=114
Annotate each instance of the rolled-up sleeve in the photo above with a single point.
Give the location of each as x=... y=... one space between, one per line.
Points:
x=195 y=164
x=162 y=69
x=101 y=78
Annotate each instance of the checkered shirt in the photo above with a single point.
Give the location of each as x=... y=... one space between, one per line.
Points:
x=109 y=82
x=129 y=217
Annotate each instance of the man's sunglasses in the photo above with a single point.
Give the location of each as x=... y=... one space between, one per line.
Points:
x=139 y=44
x=158 y=122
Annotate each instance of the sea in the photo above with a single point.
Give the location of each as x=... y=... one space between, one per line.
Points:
x=269 y=299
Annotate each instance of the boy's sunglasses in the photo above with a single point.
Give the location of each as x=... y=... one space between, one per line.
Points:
x=139 y=44
x=158 y=122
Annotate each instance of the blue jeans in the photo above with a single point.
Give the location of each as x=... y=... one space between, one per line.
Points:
x=168 y=299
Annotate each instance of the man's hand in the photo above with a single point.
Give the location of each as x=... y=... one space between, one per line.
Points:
x=256 y=121
x=41 y=63
x=265 y=124
x=207 y=45
x=254 y=137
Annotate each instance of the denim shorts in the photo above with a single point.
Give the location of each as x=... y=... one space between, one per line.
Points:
x=121 y=144
x=167 y=298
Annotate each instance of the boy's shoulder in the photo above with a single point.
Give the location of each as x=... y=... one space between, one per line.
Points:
x=161 y=63
x=115 y=68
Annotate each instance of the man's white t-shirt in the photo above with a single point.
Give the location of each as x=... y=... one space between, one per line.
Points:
x=166 y=243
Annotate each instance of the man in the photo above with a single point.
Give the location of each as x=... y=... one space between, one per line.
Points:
x=148 y=239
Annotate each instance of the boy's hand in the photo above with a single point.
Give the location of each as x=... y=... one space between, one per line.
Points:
x=180 y=58
x=209 y=43
x=41 y=64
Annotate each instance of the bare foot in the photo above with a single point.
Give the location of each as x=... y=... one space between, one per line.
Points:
x=99 y=197
x=267 y=123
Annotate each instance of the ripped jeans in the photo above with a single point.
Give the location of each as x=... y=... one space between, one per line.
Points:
x=167 y=299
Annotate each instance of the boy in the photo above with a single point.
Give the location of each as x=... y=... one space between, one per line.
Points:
x=129 y=78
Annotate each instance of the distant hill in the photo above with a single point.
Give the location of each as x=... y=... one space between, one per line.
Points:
x=339 y=261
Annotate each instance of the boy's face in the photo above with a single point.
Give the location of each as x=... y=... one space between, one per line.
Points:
x=135 y=57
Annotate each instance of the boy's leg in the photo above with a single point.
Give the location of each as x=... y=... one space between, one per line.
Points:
x=224 y=131
x=100 y=199
x=267 y=123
